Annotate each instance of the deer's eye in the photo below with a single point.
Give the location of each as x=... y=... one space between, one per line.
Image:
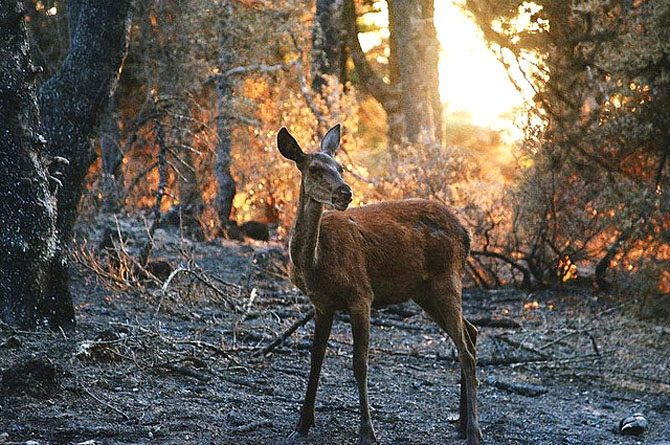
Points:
x=313 y=168
x=340 y=169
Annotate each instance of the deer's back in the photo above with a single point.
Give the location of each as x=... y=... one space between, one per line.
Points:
x=396 y=246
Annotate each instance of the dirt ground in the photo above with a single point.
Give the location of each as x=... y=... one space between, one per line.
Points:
x=182 y=366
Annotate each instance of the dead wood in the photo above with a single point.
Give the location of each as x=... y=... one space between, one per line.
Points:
x=287 y=333
x=490 y=322
x=525 y=389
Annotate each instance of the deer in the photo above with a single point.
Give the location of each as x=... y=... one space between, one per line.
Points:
x=359 y=258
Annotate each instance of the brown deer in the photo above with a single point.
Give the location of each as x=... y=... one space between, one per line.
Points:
x=373 y=256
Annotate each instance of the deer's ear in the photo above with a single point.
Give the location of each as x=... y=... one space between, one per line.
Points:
x=288 y=146
x=331 y=140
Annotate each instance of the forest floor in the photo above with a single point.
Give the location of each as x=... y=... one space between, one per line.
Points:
x=182 y=365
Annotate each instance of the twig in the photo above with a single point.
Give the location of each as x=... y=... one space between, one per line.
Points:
x=165 y=286
x=287 y=333
x=102 y=402
x=518 y=345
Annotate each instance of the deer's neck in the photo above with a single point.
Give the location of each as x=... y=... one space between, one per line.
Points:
x=305 y=232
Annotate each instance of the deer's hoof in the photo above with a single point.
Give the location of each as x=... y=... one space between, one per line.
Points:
x=367 y=437
x=474 y=437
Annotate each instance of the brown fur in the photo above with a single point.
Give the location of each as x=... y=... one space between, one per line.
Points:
x=395 y=248
x=374 y=256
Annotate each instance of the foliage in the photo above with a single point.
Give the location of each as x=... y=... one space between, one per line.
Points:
x=595 y=187
x=584 y=193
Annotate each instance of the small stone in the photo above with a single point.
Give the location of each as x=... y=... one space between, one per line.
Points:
x=12 y=343
x=633 y=425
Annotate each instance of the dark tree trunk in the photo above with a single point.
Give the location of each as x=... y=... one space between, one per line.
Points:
x=74 y=100
x=394 y=118
x=28 y=237
x=417 y=64
x=326 y=42
x=226 y=184
x=432 y=65
x=34 y=273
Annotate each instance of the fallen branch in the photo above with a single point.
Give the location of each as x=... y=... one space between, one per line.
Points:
x=518 y=345
x=525 y=389
x=495 y=322
x=182 y=370
x=287 y=333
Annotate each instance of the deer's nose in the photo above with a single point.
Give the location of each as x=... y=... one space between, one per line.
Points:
x=344 y=191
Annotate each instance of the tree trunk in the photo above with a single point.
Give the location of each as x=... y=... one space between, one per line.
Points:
x=395 y=124
x=326 y=42
x=33 y=234
x=432 y=66
x=226 y=184
x=74 y=100
x=28 y=236
x=416 y=42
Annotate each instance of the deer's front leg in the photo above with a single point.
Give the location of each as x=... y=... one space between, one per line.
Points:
x=360 y=328
x=323 y=322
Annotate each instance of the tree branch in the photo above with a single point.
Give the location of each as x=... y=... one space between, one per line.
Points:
x=387 y=95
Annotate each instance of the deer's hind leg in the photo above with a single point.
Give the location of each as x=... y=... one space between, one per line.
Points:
x=471 y=340
x=442 y=302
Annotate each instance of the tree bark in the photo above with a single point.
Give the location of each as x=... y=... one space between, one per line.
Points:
x=28 y=236
x=74 y=100
x=36 y=228
x=326 y=42
x=394 y=118
x=226 y=184
x=432 y=66
x=416 y=56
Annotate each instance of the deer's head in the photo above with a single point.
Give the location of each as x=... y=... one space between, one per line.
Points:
x=321 y=173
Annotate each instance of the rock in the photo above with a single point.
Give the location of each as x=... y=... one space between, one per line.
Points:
x=12 y=343
x=256 y=230
x=633 y=425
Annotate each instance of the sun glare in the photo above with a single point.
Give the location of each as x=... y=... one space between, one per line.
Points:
x=472 y=81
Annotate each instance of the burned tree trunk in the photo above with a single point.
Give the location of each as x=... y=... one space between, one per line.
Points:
x=226 y=184
x=327 y=42
x=28 y=236
x=74 y=100
x=36 y=229
x=416 y=43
